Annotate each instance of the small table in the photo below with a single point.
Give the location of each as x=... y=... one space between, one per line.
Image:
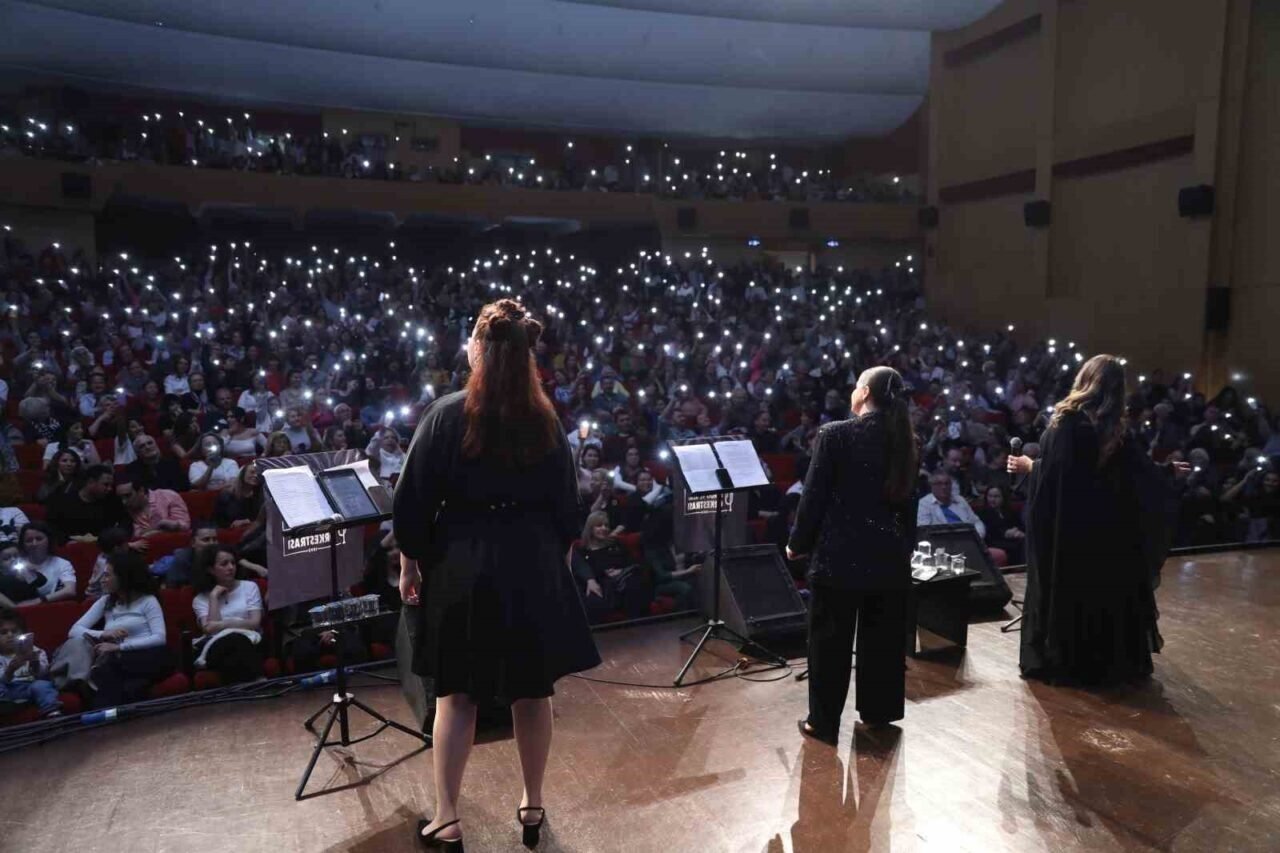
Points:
x=940 y=605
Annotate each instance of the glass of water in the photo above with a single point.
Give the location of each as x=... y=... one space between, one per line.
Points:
x=924 y=548
x=940 y=560
x=333 y=612
x=317 y=615
x=369 y=605
x=957 y=564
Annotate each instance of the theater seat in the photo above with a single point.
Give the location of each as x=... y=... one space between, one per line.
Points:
x=381 y=651
x=231 y=535
x=175 y=685
x=631 y=541
x=783 y=466
x=999 y=557
x=163 y=544
x=35 y=512
x=81 y=556
x=16 y=715
x=30 y=456
x=30 y=482
x=200 y=504
x=106 y=448
x=661 y=604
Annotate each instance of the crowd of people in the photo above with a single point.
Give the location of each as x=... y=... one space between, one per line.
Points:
x=132 y=382
x=175 y=139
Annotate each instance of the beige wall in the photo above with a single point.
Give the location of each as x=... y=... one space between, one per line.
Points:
x=1254 y=343
x=1085 y=84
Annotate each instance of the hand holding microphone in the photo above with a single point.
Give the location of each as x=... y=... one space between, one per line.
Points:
x=1017 y=463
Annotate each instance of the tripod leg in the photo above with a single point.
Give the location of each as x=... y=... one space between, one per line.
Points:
x=425 y=738
x=696 y=651
x=315 y=754
x=310 y=723
x=693 y=631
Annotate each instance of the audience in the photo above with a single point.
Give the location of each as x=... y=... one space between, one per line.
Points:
x=38 y=575
x=153 y=510
x=24 y=668
x=88 y=508
x=229 y=614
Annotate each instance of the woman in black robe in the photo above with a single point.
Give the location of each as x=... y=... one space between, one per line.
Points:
x=1097 y=534
x=485 y=511
x=857 y=516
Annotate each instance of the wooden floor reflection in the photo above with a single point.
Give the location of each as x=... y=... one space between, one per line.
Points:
x=984 y=761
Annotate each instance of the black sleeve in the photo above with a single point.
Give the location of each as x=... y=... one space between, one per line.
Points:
x=817 y=492
x=418 y=494
x=566 y=499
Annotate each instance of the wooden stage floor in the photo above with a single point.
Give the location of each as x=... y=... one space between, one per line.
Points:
x=984 y=761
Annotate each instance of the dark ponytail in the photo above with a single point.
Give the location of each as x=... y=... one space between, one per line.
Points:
x=889 y=394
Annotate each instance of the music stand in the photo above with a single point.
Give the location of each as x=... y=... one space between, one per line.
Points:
x=353 y=506
x=705 y=481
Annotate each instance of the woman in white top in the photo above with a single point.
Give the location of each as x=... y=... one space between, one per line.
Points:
x=259 y=402
x=385 y=447
x=128 y=650
x=53 y=578
x=213 y=471
x=72 y=438
x=176 y=383
x=240 y=439
x=229 y=613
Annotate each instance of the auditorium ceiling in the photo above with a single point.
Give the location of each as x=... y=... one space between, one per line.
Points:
x=803 y=70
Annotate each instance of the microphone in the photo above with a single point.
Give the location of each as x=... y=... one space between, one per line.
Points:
x=1015 y=449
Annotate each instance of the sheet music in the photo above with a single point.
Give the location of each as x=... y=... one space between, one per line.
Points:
x=698 y=464
x=297 y=496
x=362 y=471
x=740 y=460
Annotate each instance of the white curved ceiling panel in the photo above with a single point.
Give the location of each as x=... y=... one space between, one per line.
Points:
x=614 y=66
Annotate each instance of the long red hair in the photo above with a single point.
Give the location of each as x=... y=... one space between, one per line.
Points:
x=509 y=416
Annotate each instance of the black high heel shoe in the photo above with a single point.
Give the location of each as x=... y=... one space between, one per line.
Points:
x=432 y=841
x=532 y=831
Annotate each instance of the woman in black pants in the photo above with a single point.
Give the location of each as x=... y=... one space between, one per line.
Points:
x=857 y=517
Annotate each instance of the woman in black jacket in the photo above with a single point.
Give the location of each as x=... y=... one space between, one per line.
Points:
x=857 y=517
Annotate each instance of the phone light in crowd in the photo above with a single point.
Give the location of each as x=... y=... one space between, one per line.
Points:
x=1186 y=376
x=664 y=455
x=833 y=244
x=895 y=179
x=1253 y=402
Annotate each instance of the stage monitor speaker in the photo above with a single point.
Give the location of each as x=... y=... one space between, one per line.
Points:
x=1217 y=309
x=798 y=219
x=928 y=217
x=758 y=598
x=989 y=592
x=1195 y=201
x=687 y=218
x=77 y=185
x=1036 y=213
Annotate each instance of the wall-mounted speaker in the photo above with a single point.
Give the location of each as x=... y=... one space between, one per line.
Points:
x=928 y=217
x=1036 y=213
x=687 y=218
x=1195 y=201
x=799 y=218
x=77 y=185
x=1217 y=309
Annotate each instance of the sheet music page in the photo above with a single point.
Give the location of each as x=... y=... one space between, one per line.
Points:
x=297 y=495
x=698 y=463
x=362 y=471
x=740 y=460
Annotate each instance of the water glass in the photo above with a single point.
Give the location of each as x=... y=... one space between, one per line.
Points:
x=317 y=615
x=369 y=605
x=957 y=564
x=940 y=560
x=350 y=608
x=333 y=612
x=924 y=548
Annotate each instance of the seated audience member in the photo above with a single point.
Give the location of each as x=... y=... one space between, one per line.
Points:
x=604 y=498
x=72 y=438
x=153 y=510
x=1004 y=528
x=629 y=470
x=302 y=436
x=239 y=505
x=34 y=574
x=229 y=614
x=60 y=476
x=240 y=439
x=24 y=668
x=335 y=438
x=382 y=578
x=940 y=507
x=111 y=540
x=1257 y=499
x=157 y=471
x=177 y=569
x=118 y=647
x=649 y=513
x=184 y=438
x=12 y=520
x=385 y=445
x=588 y=462
x=124 y=454
x=762 y=433
x=608 y=579
x=84 y=512
x=278 y=444
x=39 y=426
x=212 y=471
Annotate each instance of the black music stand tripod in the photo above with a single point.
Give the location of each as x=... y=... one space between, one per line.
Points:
x=339 y=708
x=715 y=627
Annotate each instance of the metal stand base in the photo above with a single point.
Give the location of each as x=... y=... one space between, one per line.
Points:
x=1014 y=624
x=339 y=709
x=717 y=630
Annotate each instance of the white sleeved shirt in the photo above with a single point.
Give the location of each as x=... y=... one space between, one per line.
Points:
x=224 y=475
x=142 y=619
x=57 y=573
x=243 y=598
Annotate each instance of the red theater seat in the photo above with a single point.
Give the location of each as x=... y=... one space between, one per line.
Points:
x=163 y=544
x=200 y=504
x=30 y=482
x=106 y=448
x=81 y=556
x=30 y=456
x=783 y=466
x=231 y=535
x=35 y=512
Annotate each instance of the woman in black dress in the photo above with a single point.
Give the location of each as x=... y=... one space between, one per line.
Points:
x=1097 y=534
x=485 y=512
x=857 y=516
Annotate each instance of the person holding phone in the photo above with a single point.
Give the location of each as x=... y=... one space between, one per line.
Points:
x=23 y=667
x=485 y=511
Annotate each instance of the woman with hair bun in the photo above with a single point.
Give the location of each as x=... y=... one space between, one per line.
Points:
x=485 y=511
